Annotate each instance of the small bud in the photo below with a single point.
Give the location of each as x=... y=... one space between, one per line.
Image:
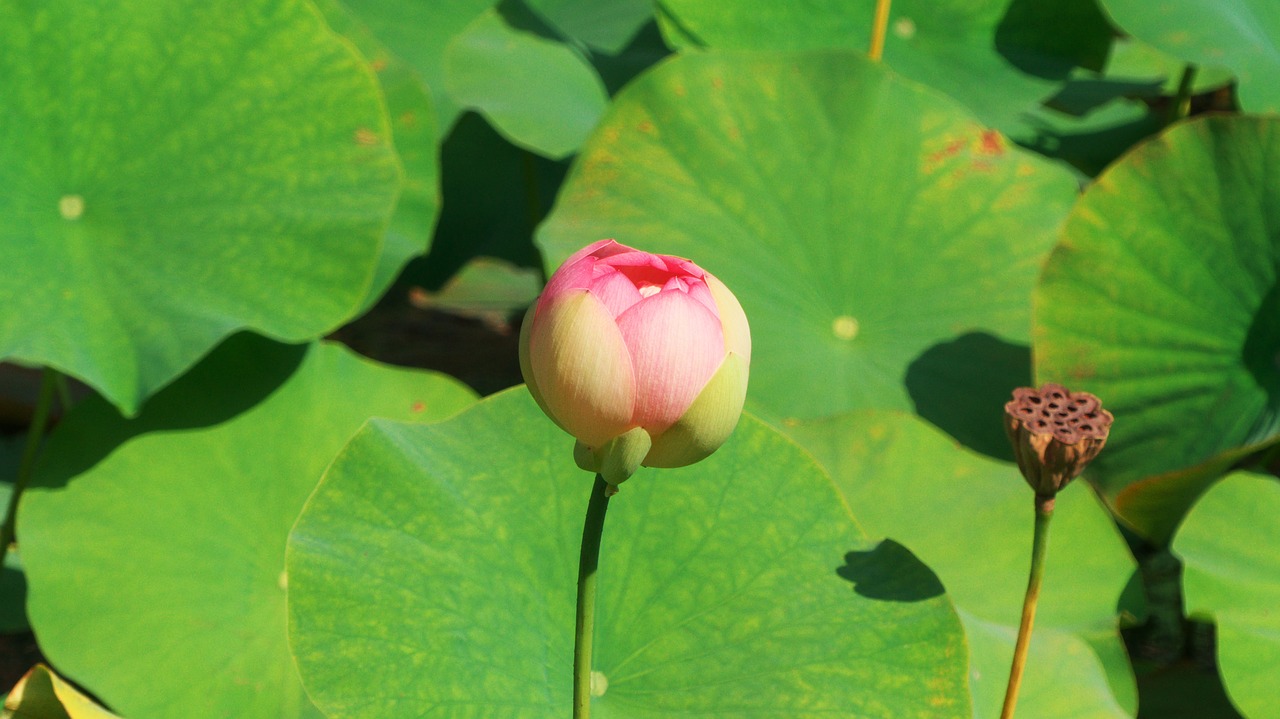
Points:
x=643 y=358
x=1055 y=433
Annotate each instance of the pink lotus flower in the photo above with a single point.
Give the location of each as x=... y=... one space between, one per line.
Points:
x=643 y=358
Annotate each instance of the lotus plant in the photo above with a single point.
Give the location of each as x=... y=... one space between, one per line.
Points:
x=643 y=358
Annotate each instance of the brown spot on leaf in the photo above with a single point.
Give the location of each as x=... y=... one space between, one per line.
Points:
x=378 y=65
x=645 y=126
x=951 y=149
x=717 y=82
x=366 y=137
x=418 y=407
x=991 y=143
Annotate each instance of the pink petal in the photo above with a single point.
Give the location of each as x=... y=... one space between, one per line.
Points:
x=638 y=258
x=582 y=368
x=699 y=291
x=615 y=291
x=641 y=268
x=684 y=267
x=598 y=249
x=676 y=344
x=677 y=284
x=582 y=267
x=571 y=277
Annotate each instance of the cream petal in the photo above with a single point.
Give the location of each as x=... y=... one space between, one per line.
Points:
x=676 y=344
x=710 y=420
x=526 y=369
x=582 y=368
x=737 y=333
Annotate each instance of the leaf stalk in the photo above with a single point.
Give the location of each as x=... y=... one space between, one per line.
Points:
x=1039 y=549
x=879 y=26
x=49 y=381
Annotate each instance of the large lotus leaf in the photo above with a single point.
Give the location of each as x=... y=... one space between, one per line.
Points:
x=1243 y=35
x=413 y=128
x=541 y=94
x=1163 y=299
x=1230 y=548
x=999 y=57
x=154 y=547
x=176 y=171
x=418 y=31
x=41 y=694
x=605 y=24
x=970 y=519
x=883 y=243
x=434 y=570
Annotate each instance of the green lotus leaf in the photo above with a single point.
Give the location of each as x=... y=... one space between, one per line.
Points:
x=882 y=242
x=154 y=547
x=970 y=519
x=1163 y=299
x=176 y=172
x=604 y=24
x=1230 y=548
x=1243 y=35
x=999 y=57
x=427 y=577
x=540 y=94
x=413 y=128
x=418 y=31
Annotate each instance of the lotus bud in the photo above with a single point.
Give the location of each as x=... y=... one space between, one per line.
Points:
x=1055 y=433
x=641 y=357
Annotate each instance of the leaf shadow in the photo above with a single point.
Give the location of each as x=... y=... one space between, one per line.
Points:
x=1261 y=356
x=961 y=386
x=890 y=572
x=235 y=377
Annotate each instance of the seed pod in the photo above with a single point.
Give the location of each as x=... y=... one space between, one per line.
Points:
x=1055 y=433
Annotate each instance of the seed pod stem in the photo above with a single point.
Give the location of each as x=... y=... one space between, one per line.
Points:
x=1039 y=549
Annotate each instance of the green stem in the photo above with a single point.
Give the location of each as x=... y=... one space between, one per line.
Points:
x=588 y=560
x=878 y=28
x=64 y=393
x=1039 y=547
x=1180 y=107
x=35 y=433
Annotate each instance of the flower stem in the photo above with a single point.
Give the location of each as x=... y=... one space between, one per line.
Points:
x=35 y=433
x=878 y=28
x=1039 y=547
x=592 y=529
